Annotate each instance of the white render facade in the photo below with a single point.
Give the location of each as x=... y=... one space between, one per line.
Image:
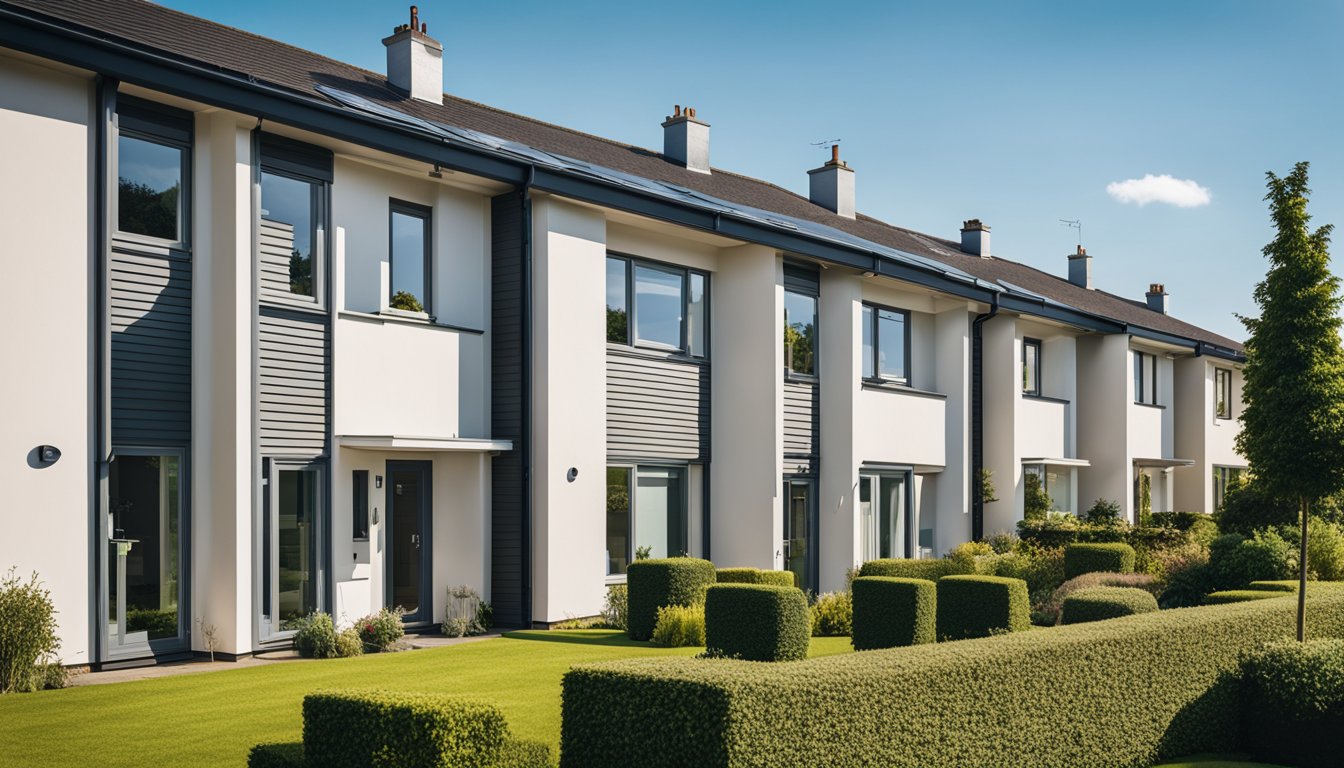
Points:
x=254 y=420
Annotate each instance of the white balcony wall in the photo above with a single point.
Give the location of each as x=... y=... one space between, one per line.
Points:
x=1042 y=428
x=895 y=427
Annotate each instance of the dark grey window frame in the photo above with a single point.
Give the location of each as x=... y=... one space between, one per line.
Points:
x=632 y=305
x=359 y=505
x=426 y=216
x=789 y=373
x=635 y=466
x=268 y=628
x=157 y=124
x=877 y=376
x=1036 y=373
x=296 y=160
x=911 y=524
x=1222 y=380
x=813 y=564
x=1222 y=478
x=1146 y=378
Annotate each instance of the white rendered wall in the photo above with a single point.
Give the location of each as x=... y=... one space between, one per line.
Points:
x=953 y=366
x=1201 y=436
x=1105 y=400
x=569 y=403
x=840 y=366
x=46 y=302
x=1001 y=379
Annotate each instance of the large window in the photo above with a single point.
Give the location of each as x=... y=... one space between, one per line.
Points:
x=153 y=162
x=886 y=344
x=646 y=514
x=884 y=515
x=410 y=256
x=657 y=306
x=1145 y=378
x=293 y=224
x=1044 y=486
x=290 y=535
x=1222 y=393
x=1031 y=367
x=800 y=333
x=144 y=577
x=1224 y=479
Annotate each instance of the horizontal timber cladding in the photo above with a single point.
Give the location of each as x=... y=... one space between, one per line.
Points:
x=149 y=308
x=657 y=407
x=801 y=408
x=508 y=489
x=292 y=364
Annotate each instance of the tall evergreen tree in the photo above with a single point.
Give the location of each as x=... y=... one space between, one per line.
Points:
x=1292 y=426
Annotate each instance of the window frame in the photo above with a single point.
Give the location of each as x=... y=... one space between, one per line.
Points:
x=1145 y=377
x=632 y=305
x=789 y=372
x=1222 y=478
x=359 y=505
x=631 y=514
x=911 y=526
x=166 y=126
x=295 y=160
x=426 y=215
x=265 y=572
x=1034 y=391
x=877 y=375
x=1222 y=401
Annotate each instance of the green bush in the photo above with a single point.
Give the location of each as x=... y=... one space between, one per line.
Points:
x=1102 y=511
x=757 y=622
x=615 y=610
x=1051 y=607
x=356 y=729
x=978 y=606
x=833 y=615
x=156 y=623
x=1239 y=596
x=679 y=626
x=652 y=584
x=1006 y=702
x=28 y=641
x=315 y=636
x=520 y=753
x=1101 y=603
x=928 y=569
x=1294 y=698
x=1098 y=558
x=1181 y=521
x=1235 y=561
x=284 y=755
x=1247 y=508
x=1325 y=549
x=380 y=631
x=1042 y=569
x=1285 y=585
x=348 y=643
x=754 y=576
x=890 y=612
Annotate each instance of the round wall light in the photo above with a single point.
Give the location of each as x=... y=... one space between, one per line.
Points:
x=572 y=474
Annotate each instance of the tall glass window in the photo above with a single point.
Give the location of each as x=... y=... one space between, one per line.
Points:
x=290 y=554
x=1222 y=393
x=697 y=315
x=291 y=209
x=145 y=543
x=1031 y=367
x=410 y=256
x=1145 y=378
x=646 y=514
x=1224 y=479
x=800 y=333
x=657 y=306
x=884 y=515
x=149 y=187
x=886 y=344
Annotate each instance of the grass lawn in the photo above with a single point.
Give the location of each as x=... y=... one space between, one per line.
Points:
x=213 y=718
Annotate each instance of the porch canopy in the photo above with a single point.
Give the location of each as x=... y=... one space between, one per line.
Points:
x=423 y=444
x=1163 y=463
x=1057 y=462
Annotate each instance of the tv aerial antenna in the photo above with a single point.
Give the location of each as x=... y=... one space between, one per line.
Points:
x=1075 y=224
x=826 y=143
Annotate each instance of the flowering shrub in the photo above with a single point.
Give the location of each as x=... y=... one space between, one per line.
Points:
x=381 y=630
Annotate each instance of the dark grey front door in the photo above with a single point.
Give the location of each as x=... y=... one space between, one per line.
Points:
x=408 y=552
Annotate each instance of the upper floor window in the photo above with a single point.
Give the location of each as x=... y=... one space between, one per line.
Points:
x=657 y=306
x=886 y=344
x=800 y=333
x=1145 y=378
x=153 y=170
x=293 y=225
x=1222 y=393
x=1031 y=367
x=410 y=255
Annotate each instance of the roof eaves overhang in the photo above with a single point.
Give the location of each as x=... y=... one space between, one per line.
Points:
x=1196 y=347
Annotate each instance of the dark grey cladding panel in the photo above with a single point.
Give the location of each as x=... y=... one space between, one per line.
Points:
x=657 y=408
x=292 y=366
x=802 y=280
x=801 y=410
x=508 y=563
x=150 y=316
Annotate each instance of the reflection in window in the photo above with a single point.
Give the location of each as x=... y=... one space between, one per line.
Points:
x=410 y=258
x=884 y=515
x=618 y=519
x=618 y=328
x=149 y=187
x=800 y=332
x=651 y=521
x=1145 y=378
x=1222 y=393
x=697 y=313
x=289 y=230
x=886 y=339
x=1031 y=367
x=144 y=559
x=659 y=304
x=1224 y=480
x=297 y=505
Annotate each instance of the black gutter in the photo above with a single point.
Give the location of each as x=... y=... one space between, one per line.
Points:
x=978 y=419
x=525 y=433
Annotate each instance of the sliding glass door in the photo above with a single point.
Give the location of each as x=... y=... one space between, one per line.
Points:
x=884 y=514
x=292 y=513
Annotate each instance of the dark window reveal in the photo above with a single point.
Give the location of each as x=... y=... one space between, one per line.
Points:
x=1031 y=367
x=359 y=495
x=410 y=255
x=800 y=333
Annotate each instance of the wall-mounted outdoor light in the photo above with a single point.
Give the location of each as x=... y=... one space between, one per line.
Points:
x=572 y=474
x=48 y=454
x=377 y=481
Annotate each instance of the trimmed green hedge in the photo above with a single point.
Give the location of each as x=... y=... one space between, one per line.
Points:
x=1008 y=702
x=652 y=584
x=1101 y=603
x=1286 y=585
x=1294 y=695
x=1111 y=557
x=755 y=576
x=286 y=755
x=757 y=622
x=350 y=729
x=901 y=568
x=1240 y=596
x=521 y=753
x=978 y=606
x=891 y=612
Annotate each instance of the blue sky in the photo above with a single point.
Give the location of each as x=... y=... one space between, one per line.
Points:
x=1020 y=115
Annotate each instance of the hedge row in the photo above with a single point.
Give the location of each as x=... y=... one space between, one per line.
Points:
x=755 y=576
x=930 y=570
x=1294 y=694
x=979 y=606
x=910 y=707
x=891 y=612
x=1286 y=585
x=757 y=622
x=1112 y=557
x=1240 y=596
x=1101 y=603
x=652 y=584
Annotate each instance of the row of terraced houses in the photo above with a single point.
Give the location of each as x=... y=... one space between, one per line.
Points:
x=284 y=335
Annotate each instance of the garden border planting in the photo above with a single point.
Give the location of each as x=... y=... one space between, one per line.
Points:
x=652 y=584
x=754 y=576
x=1088 y=557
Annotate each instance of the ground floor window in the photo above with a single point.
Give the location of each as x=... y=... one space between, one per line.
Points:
x=884 y=514
x=646 y=514
x=1225 y=478
x=292 y=511
x=1044 y=487
x=145 y=546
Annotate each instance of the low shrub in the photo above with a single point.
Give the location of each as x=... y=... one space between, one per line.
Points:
x=156 y=623
x=1041 y=568
x=1247 y=508
x=1239 y=596
x=1285 y=585
x=28 y=641
x=614 y=609
x=521 y=753
x=1101 y=603
x=284 y=755
x=972 y=557
x=381 y=631
x=754 y=576
x=1181 y=521
x=978 y=606
x=349 y=643
x=1051 y=608
x=757 y=622
x=902 y=568
x=910 y=707
x=1164 y=563
x=833 y=615
x=680 y=625
x=1325 y=549
x=356 y=729
x=1235 y=561
x=1102 y=511
x=890 y=612
x=1294 y=697
x=652 y=584
x=315 y=636
x=1111 y=557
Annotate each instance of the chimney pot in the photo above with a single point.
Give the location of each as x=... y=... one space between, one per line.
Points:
x=832 y=185
x=686 y=140
x=1157 y=297
x=415 y=60
x=975 y=238
x=1080 y=268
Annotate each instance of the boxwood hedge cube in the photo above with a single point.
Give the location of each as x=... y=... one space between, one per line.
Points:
x=890 y=612
x=1111 y=557
x=355 y=729
x=755 y=576
x=652 y=584
x=757 y=622
x=1100 y=603
x=979 y=606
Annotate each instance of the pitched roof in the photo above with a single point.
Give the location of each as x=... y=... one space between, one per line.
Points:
x=190 y=38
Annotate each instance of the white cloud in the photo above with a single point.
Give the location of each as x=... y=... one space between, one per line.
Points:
x=1182 y=193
